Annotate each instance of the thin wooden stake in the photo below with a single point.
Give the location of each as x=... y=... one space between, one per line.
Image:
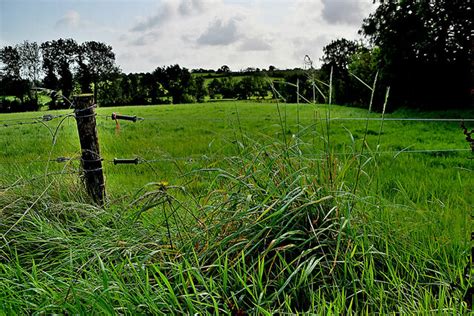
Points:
x=91 y=161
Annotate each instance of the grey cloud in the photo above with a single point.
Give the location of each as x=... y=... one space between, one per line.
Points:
x=188 y=7
x=140 y=41
x=310 y=47
x=220 y=33
x=342 y=11
x=165 y=12
x=145 y=39
x=254 y=44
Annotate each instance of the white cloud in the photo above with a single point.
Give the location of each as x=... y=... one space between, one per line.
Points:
x=188 y=7
x=71 y=19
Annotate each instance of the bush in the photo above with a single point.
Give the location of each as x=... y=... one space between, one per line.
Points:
x=9 y=106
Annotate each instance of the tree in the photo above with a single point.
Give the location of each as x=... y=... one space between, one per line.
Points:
x=261 y=87
x=11 y=82
x=50 y=80
x=30 y=57
x=289 y=91
x=336 y=58
x=58 y=56
x=245 y=88
x=176 y=80
x=224 y=69
x=364 y=64
x=424 y=50
x=10 y=57
x=214 y=87
x=201 y=90
x=338 y=53
x=96 y=61
x=228 y=87
x=110 y=91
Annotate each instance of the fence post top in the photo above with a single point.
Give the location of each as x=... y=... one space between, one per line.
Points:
x=83 y=99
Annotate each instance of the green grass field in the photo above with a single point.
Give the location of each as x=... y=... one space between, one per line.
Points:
x=238 y=206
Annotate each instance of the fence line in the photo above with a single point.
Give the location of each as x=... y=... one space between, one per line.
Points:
x=36 y=120
x=414 y=119
x=113 y=116
x=138 y=160
x=58 y=160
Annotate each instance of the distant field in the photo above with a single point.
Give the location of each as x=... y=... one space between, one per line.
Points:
x=425 y=197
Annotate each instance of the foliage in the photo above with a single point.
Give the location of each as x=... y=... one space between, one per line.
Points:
x=337 y=57
x=201 y=90
x=96 y=62
x=224 y=69
x=424 y=50
x=30 y=56
x=10 y=57
x=364 y=64
x=17 y=105
x=214 y=88
x=58 y=56
x=228 y=90
x=338 y=53
x=288 y=88
x=176 y=80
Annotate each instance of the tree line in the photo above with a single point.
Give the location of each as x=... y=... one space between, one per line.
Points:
x=64 y=68
x=421 y=49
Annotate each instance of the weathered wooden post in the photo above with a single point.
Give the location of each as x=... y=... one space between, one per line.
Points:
x=91 y=161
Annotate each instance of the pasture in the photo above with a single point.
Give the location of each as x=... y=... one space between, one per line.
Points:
x=238 y=206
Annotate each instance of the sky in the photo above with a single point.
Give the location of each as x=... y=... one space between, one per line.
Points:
x=206 y=34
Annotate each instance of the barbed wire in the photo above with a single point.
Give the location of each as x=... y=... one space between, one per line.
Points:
x=323 y=119
x=37 y=120
x=58 y=160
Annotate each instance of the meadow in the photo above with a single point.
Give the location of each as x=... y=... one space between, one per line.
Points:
x=238 y=207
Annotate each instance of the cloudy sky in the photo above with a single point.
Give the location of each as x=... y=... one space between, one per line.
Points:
x=193 y=33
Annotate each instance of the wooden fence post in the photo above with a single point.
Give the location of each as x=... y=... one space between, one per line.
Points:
x=91 y=161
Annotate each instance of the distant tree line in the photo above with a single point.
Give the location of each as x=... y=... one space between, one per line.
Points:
x=66 y=68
